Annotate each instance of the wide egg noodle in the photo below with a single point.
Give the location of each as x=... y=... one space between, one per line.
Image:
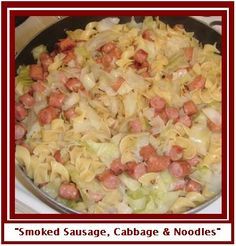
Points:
x=181 y=205
x=189 y=149
x=41 y=173
x=23 y=158
x=58 y=170
x=130 y=146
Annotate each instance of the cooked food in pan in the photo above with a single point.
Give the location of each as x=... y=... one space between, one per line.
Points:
x=122 y=118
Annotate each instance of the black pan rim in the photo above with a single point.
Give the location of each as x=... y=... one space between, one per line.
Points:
x=64 y=18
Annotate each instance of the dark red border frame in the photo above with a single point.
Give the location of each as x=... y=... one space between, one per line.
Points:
x=120 y=218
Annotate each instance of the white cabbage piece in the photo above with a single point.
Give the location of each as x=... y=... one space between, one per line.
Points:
x=210 y=177
x=23 y=79
x=200 y=136
x=71 y=72
x=124 y=89
x=130 y=104
x=58 y=60
x=149 y=23
x=135 y=81
x=130 y=183
x=100 y=39
x=38 y=50
x=87 y=79
x=71 y=100
x=213 y=115
x=174 y=44
x=131 y=144
x=33 y=129
x=150 y=47
x=176 y=62
x=126 y=57
x=107 y=152
x=137 y=204
x=107 y=23
x=134 y=24
x=123 y=208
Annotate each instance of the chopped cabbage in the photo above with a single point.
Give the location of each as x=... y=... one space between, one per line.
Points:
x=38 y=50
x=212 y=115
x=23 y=79
x=200 y=136
x=149 y=23
x=107 y=23
x=107 y=152
x=130 y=104
x=130 y=183
x=100 y=39
x=57 y=63
x=87 y=79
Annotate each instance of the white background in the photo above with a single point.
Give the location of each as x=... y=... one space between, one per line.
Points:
x=221 y=235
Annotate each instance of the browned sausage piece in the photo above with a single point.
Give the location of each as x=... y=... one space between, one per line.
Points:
x=95 y=196
x=136 y=170
x=193 y=186
x=198 y=83
x=135 y=126
x=74 y=84
x=185 y=120
x=117 y=84
x=213 y=127
x=117 y=167
x=46 y=60
x=39 y=86
x=108 y=47
x=69 y=113
x=176 y=153
x=20 y=131
x=140 y=56
x=194 y=161
x=107 y=61
x=148 y=35
x=172 y=113
x=179 y=169
x=158 y=163
x=147 y=151
x=70 y=55
x=178 y=185
x=58 y=157
x=20 y=112
x=46 y=115
x=66 y=44
x=69 y=191
x=162 y=114
x=188 y=53
x=190 y=108
x=157 y=103
x=27 y=100
x=109 y=180
x=36 y=72
x=116 y=53
x=56 y=99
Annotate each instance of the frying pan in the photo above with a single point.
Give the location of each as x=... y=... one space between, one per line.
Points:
x=50 y=36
